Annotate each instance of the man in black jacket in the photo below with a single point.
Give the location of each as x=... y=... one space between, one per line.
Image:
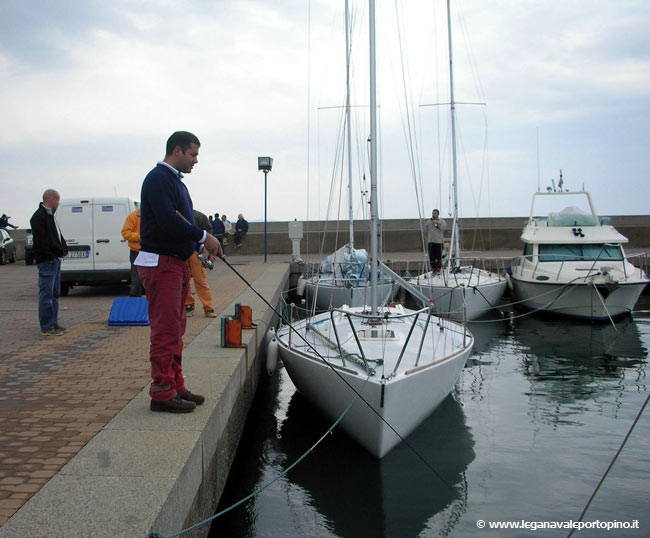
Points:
x=49 y=249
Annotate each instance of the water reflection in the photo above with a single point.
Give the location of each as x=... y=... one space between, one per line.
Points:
x=574 y=365
x=395 y=496
x=339 y=490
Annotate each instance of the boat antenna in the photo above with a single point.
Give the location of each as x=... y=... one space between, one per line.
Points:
x=538 y=185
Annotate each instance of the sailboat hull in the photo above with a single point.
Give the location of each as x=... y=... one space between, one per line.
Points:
x=326 y=292
x=401 y=401
x=468 y=294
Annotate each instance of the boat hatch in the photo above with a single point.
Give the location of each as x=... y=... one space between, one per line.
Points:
x=377 y=334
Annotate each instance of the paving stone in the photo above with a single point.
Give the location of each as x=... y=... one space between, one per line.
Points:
x=56 y=395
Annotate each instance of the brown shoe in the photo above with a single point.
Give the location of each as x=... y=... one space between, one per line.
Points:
x=175 y=405
x=195 y=398
x=51 y=332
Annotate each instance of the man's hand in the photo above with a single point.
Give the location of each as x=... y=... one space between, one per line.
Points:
x=213 y=246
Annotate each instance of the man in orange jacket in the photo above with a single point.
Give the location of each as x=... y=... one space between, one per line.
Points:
x=131 y=232
x=199 y=275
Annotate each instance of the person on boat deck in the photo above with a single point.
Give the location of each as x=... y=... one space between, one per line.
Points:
x=434 y=228
x=241 y=229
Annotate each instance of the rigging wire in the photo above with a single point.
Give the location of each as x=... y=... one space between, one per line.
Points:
x=407 y=114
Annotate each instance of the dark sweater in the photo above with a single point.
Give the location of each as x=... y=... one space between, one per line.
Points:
x=162 y=230
x=241 y=226
x=48 y=243
x=218 y=227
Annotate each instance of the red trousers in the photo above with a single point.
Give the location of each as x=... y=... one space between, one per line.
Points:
x=166 y=286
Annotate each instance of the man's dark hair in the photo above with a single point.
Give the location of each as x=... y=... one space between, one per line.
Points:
x=183 y=139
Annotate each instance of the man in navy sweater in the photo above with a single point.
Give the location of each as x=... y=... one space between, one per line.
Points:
x=168 y=238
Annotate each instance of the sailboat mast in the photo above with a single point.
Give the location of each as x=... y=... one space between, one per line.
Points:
x=373 y=162
x=347 y=120
x=454 y=162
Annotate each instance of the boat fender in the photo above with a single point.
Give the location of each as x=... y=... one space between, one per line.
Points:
x=272 y=357
x=300 y=286
x=268 y=336
x=511 y=286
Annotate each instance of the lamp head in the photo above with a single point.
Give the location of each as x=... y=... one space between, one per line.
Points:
x=265 y=163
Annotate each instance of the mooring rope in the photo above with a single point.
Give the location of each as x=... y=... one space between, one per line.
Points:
x=338 y=374
x=265 y=486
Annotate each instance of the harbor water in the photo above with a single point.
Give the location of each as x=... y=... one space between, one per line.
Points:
x=537 y=417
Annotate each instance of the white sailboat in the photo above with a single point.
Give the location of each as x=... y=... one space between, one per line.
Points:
x=382 y=369
x=459 y=291
x=342 y=278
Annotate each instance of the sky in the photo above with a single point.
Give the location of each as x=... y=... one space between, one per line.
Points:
x=90 y=91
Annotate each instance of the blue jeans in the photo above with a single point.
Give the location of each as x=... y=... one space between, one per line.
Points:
x=49 y=290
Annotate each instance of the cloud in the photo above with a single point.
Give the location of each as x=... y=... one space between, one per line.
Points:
x=90 y=91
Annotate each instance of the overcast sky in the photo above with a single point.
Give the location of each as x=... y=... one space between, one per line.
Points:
x=90 y=90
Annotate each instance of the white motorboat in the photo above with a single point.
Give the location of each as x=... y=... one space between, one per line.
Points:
x=573 y=262
x=459 y=292
x=380 y=370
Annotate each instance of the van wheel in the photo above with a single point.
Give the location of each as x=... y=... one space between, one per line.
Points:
x=3 y=257
x=65 y=289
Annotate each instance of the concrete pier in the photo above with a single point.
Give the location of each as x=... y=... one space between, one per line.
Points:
x=139 y=472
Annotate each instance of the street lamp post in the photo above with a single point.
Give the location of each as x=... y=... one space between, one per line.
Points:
x=265 y=164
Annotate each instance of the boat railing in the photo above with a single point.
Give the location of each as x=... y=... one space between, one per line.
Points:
x=443 y=324
x=639 y=261
x=409 y=268
x=641 y=264
x=313 y=269
x=489 y=265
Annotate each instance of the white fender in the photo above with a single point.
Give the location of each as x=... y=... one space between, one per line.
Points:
x=300 y=286
x=271 y=356
x=268 y=336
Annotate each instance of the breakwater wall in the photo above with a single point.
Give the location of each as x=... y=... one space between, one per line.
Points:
x=399 y=235
x=403 y=235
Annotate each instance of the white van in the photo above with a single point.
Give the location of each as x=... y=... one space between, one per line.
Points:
x=97 y=252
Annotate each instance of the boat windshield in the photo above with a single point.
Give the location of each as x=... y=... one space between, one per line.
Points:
x=577 y=252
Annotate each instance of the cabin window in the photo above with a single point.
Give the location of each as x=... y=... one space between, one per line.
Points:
x=572 y=253
x=528 y=251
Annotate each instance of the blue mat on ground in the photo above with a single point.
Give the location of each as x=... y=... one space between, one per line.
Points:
x=128 y=311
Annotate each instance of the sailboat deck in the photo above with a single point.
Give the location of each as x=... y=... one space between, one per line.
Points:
x=396 y=344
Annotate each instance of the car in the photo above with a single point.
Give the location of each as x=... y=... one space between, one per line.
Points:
x=7 y=247
x=29 y=247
